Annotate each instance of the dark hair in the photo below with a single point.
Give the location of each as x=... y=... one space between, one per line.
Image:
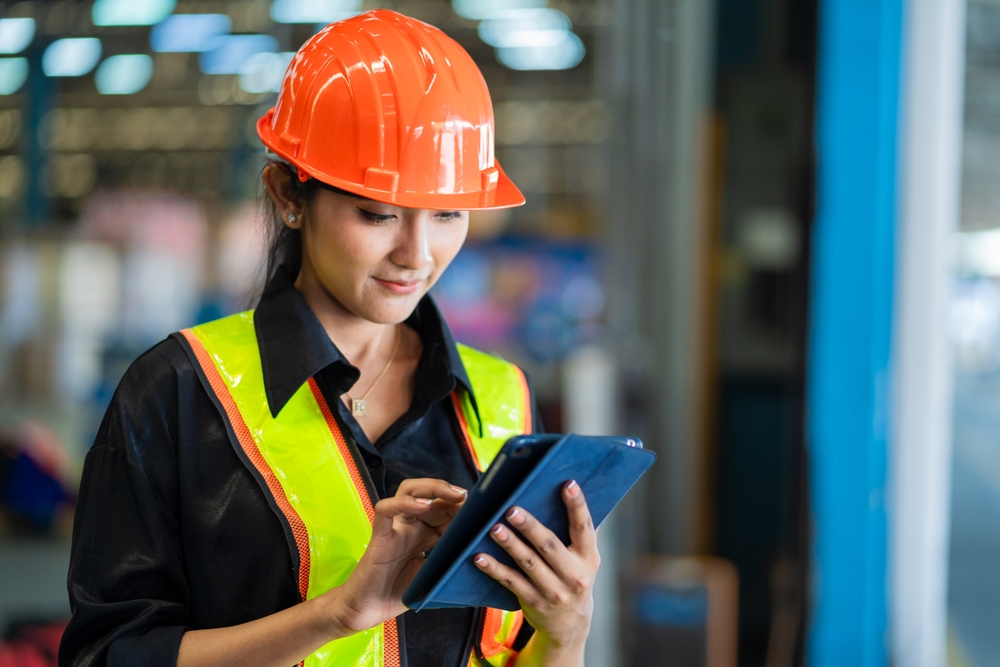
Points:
x=284 y=244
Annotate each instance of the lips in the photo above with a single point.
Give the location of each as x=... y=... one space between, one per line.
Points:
x=399 y=286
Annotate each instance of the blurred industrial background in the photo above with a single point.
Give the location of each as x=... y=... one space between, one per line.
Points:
x=762 y=235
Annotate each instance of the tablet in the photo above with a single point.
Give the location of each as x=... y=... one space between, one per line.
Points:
x=529 y=471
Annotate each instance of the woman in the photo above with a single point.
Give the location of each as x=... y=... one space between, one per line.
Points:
x=263 y=487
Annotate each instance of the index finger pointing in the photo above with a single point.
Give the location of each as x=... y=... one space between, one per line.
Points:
x=432 y=488
x=582 y=535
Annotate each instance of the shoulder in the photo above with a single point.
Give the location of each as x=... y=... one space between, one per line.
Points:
x=477 y=362
x=496 y=385
x=161 y=368
x=150 y=398
x=492 y=373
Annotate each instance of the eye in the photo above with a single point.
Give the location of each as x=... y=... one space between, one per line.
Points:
x=449 y=215
x=375 y=218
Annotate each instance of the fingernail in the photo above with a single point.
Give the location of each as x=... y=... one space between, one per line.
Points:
x=458 y=488
x=499 y=532
x=573 y=488
x=425 y=501
x=515 y=516
x=480 y=561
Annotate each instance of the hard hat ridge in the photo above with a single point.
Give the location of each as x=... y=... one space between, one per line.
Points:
x=392 y=109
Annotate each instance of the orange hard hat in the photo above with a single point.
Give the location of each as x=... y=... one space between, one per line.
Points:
x=392 y=109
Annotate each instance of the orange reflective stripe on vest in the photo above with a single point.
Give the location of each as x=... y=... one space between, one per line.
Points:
x=504 y=403
x=303 y=483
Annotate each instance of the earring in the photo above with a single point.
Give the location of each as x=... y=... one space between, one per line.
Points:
x=291 y=218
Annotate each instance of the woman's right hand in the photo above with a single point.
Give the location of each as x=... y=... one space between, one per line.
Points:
x=405 y=526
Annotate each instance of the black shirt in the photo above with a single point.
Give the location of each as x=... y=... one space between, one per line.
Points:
x=173 y=532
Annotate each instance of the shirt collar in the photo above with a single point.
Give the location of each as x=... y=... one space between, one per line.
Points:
x=294 y=346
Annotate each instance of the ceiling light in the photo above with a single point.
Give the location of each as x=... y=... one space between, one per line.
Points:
x=263 y=72
x=124 y=75
x=229 y=53
x=131 y=12
x=477 y=10
x=71 y=57
x=189 y=32
x=542 y=50
x=16 y=34
x=533 y=39
x=501 y=30
x=313 y=11
x=13 y=74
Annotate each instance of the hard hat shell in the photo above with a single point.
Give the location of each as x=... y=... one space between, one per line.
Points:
x=390 y=108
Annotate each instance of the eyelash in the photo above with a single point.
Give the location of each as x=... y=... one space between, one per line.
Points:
x=380 y=219
x=375 y=218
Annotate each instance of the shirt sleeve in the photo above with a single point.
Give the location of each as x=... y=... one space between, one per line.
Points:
x=127 y=588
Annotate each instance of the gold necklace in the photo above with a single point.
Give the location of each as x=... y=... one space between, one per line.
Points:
x=358 y=405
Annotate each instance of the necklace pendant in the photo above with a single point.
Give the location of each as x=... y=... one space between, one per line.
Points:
x=358 y=407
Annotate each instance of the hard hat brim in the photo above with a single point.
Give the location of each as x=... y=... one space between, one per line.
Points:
x=505 y=195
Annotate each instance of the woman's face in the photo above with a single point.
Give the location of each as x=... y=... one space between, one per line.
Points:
x=378 y=260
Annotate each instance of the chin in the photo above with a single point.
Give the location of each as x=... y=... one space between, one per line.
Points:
x=391 y=310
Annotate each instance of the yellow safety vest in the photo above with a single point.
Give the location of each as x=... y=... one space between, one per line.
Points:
x=320 y=490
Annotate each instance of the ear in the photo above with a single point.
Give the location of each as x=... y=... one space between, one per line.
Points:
x=278 y=182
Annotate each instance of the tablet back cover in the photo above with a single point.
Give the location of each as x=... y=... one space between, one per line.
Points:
x=605 y=468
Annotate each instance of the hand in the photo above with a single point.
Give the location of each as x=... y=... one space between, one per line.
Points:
x=405 y=526
x=557 y=594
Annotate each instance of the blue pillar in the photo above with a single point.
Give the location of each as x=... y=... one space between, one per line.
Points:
x=851 y=317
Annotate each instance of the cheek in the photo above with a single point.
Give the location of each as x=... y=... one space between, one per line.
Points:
x=347 y=249
x=448 y=244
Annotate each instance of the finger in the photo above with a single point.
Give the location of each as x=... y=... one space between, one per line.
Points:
x=440 y=526
x=548 y=545
x=582 y=536
x=447 y=499
x=423 y=487
x=426 y=543
x=510 y=579
x=538 y=570
x=440 y=513
x=403 y=505
x=407 y=508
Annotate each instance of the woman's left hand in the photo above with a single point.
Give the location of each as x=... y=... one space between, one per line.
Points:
x=557 y=594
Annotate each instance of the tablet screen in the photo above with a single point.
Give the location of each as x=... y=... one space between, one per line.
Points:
x=516 y=459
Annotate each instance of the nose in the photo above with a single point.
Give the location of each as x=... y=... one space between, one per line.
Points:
x=413 y=248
